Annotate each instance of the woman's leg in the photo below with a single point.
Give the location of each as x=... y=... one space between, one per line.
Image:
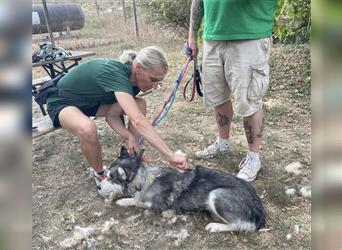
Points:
x=112 y=114
x=73 y=120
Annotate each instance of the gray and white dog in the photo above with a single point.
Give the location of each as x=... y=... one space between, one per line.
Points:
x=230 y=200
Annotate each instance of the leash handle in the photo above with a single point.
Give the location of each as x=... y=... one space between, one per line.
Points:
x=188 y=85
x=196 y=84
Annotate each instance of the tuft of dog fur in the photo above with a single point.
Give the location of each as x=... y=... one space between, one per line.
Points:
x=231 y=201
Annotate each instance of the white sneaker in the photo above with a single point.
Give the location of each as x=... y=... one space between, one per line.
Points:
x=219 y=146
x=249 y=167
x=105 y=187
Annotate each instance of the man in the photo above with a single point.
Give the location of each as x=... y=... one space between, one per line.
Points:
x=236 y=49
x=109 y=89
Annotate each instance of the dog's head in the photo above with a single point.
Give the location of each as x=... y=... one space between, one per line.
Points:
x=125 y=167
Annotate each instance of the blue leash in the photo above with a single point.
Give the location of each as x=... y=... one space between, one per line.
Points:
x=168 y=104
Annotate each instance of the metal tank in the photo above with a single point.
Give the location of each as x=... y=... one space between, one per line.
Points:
x=62 y=17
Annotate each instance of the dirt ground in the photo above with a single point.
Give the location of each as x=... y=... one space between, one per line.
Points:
x=69 y=213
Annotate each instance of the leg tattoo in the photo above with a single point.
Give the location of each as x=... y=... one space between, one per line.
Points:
x=248 y=131
x=222 y=119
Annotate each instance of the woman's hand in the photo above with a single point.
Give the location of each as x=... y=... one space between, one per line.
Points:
x=178 y=161
x=133 y=146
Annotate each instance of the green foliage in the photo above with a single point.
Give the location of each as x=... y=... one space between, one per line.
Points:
x=170 y=14
x=292 y=21
x=292 y=18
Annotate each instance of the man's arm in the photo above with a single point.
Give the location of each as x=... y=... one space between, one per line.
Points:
x=196 y=15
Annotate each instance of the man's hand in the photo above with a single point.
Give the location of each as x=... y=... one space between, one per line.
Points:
x=192 y=45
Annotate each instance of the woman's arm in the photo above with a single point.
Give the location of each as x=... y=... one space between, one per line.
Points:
x=144 y=128
x=114 y=120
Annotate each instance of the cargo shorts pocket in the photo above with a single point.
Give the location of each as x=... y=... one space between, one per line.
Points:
x=259 y=82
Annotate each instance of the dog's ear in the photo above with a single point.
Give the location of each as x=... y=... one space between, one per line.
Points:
x=139 y=155
x=123 y=153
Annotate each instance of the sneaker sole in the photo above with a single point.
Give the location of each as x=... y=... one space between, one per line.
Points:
x=212 y=155
x=252 y=178
x=248 y=180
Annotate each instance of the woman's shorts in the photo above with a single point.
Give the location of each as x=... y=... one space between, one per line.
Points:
x=54 y=113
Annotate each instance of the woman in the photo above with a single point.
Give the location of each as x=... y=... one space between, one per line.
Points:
x=109 y=88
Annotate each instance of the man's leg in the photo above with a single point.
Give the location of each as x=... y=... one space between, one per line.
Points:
x=224 y=115
x=251 y=164
x=216 y=93
x=250 y=80
x=73 y=120
x=254 y=126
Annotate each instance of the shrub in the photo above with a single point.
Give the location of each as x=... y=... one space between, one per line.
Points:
x=292 y=21
x=292 y=17
x=170 y=14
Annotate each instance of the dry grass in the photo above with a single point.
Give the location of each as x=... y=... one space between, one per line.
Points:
x=63 y=187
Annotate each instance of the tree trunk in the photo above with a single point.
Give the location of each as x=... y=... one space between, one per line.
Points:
x=124 y=9
x=135 y=20
x=97 y=9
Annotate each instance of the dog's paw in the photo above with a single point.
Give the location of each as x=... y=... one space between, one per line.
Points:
x=127 y=202
x=217 y=227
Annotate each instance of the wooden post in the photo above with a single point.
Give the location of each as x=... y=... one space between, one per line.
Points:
x=124 y=9
x=97 y=9
x=135 y=20
x=47 y=21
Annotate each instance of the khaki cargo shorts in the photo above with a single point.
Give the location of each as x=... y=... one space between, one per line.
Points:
x=237 y=71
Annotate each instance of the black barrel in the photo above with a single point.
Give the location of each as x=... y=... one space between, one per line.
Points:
x=61 y=16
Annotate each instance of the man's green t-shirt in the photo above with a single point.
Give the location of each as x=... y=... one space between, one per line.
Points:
x=96 y=81
x=238 y=19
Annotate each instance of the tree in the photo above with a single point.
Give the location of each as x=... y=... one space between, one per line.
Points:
x=292 y=21
x=292 y=18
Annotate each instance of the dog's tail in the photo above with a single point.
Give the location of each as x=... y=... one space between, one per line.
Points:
x=259 y=215
x=238 y=213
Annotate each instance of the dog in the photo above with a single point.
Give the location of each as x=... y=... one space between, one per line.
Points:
x=229 y=200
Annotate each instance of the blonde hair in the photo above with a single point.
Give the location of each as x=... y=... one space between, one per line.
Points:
x=127 y=56
x=149 y=57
